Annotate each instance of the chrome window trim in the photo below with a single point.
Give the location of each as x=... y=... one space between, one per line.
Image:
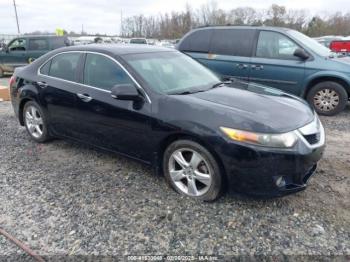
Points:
x=93 y=87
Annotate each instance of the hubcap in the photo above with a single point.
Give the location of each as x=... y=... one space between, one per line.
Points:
x=190 y=172
x=34 y=121
x=326 y=100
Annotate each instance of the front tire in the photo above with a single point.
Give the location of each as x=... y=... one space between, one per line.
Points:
x=35 y=122
x=328 y=98
x=192 y=170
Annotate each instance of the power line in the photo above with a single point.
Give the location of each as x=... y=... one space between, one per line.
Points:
x=14 y=4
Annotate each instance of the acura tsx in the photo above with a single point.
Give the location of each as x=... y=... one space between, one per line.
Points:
x=165 y=109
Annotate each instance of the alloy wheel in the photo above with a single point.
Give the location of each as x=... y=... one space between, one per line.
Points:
x=34 y=121
x=326 y=100
x=190 y=172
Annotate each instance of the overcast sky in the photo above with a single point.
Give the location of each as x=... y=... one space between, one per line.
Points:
x=103 y=16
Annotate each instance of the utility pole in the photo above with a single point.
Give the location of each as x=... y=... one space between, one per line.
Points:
x=121 y=23
x=14 y=4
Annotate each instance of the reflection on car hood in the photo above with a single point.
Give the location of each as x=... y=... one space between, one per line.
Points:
x=264 y=110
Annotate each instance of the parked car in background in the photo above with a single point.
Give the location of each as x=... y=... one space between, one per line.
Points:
x=340 y=46
x=25 y=49
x=142 y=41
x=277 y=57
x=161 y=107
x=327 y=40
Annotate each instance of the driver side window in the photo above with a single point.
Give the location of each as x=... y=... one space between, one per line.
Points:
x=275 y=46
x=17 y=45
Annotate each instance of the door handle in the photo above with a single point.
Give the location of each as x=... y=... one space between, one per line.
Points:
x=258 y=67
x=241 y=66
x=42 y=84
x=84 y=97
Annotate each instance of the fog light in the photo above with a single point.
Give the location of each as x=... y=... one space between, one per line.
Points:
x=280 y=181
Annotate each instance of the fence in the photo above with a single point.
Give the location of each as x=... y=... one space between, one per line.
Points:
x=6 y=38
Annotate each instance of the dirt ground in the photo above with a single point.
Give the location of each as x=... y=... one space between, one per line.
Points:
x=62 y=198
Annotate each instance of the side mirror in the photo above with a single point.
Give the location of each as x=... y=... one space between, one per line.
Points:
x=301 y=53
x=125 y=92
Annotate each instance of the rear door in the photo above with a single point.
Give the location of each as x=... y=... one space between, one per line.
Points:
x=58 y=80
x=274 y=63
x=37 y=47
x=230 y=52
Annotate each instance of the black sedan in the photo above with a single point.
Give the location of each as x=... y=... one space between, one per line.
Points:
x=163 y=108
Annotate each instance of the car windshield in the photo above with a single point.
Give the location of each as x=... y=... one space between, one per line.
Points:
x=310 y=43
x=172 y=72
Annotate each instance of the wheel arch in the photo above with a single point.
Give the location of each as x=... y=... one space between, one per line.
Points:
x=324 y=78
x=185 y=136
x=20 y=109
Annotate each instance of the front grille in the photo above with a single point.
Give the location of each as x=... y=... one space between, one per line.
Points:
x=313 y=138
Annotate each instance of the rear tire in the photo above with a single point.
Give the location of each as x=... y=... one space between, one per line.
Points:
x=192 y=170
x=328 y=98
x=35 y=122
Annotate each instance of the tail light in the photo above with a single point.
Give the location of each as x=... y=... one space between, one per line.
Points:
x=12 y=80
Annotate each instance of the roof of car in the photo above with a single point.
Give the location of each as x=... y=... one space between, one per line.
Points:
x=117 y=49
x=275 y=28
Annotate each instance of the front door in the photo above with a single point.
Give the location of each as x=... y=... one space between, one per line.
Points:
x=274 y=63
x=107 y=122
x=15 y=55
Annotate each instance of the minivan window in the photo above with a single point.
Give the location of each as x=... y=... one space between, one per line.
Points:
x=38 y=44
x=312 y=44
x=198 y=41
x=104 y=73
x=234 y=42
x=17 y=45
x=276 y=46
x=64 y=66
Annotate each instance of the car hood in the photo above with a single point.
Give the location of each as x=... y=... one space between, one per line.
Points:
x=252 y=107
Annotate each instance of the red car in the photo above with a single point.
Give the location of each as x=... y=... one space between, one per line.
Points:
x=340 y=46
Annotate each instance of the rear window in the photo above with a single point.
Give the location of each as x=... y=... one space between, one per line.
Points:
x=65 y=66
x=38 y=44
x=235 y=42
x=57 y=42
x=198 y=41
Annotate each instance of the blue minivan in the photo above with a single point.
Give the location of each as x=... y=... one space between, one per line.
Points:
x=279 y=57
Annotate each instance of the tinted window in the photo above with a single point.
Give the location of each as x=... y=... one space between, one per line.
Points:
x=102 y=72
x=45 y=68
x=18 y=45
x=65 y=66
x=275 y=45
x=57 y=42
x=198 y=41
x=235 y=42
x=38 y=44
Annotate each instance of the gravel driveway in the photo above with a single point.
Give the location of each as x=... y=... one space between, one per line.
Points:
x=63 y=198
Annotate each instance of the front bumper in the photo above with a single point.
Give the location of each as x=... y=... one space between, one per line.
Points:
x=255 y=170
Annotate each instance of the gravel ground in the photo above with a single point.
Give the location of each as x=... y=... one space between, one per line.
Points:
x=63 y=198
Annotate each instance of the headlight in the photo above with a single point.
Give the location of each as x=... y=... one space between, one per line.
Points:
x=285 y=140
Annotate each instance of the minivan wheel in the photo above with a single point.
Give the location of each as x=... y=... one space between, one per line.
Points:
x=35 y=122
x=192 y=170
x=328 y=98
